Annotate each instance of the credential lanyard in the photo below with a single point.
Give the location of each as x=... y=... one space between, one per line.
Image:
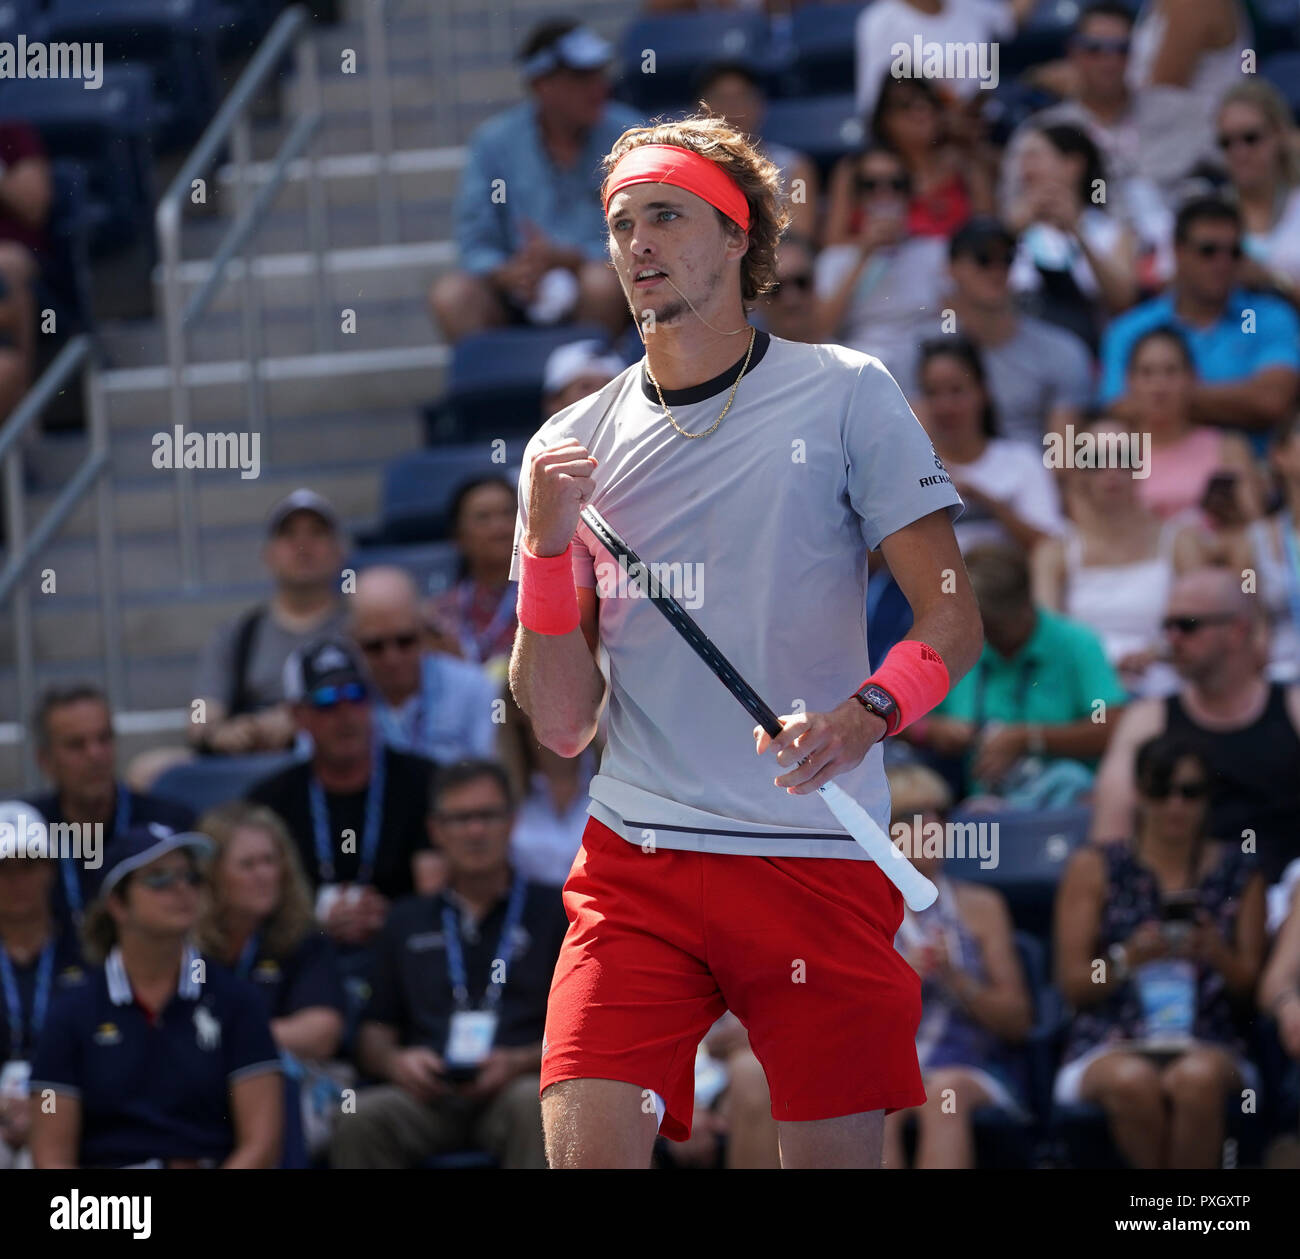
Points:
x=40 y=1003
x=244 y=966
x=374 y=820
x=504 y=952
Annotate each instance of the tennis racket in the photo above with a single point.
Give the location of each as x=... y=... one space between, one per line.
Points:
x=918 y=892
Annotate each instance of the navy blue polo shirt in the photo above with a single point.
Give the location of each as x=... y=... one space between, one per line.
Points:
x=410 y=986
x=140 y=811
x=307 y=977
x=68 y=968
x=160 y=1091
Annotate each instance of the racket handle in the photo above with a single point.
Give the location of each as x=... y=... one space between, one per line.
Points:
x=918 y=892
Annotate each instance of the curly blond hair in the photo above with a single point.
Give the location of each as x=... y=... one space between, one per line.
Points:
x=759 y=179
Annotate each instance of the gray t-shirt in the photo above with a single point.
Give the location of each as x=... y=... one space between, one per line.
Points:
x=270 y=648
x=768 y=521
x=1039 y=368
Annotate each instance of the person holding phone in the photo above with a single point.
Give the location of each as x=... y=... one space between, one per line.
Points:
x=453 y=1028
x=1160 y=941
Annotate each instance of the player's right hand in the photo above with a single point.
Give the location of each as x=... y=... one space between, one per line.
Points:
x=560 y=482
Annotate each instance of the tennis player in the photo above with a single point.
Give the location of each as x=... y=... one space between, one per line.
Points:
x=711 y=877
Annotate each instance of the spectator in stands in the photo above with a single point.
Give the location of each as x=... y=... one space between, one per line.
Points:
x=26 y=194
x=1040 y=376
x=77 y=752
x=1270 y=548
x=437 y=968
x=1008 y=492
x=475 y=619
x=38 y=957
x=1074 y=257
x=1254 y=134
x=1176 y=914
x=790 y=310
x=885 y=23
x=950 y=171
x=241 y=671
x=355 y=809
x=1246 y=346
x=158 y=1057
x=1025 y=717
x=734 y=90
x=426 y=703
x=552 y=792
x=530 y=230
x=257 y=920
x=1185 y=56
x=1114 y=567
x=880 y=291
x=1193 y=466
x=975 y=1003
x=575 y=370
x=1248 y=728
x=1099 y=102
x=1279 y=988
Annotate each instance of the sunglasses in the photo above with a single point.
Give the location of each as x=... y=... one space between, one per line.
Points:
x=333 y=696
x=985 y=257
x=1230 y=140
x=376 y=646
x=1213 y=248
x=1184 y=791
x=803 y=283
x=1092 y=44
x=161 y=880
x=882 y=183
x=1190 y=624
x=468 y=816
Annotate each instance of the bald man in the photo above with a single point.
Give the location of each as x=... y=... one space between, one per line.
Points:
x=428 y=703
x=1246 y=726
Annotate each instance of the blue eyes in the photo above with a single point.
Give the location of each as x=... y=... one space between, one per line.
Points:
x=672 y=214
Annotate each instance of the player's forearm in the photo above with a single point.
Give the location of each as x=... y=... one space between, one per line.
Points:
x=555 y=681
x=952 y=626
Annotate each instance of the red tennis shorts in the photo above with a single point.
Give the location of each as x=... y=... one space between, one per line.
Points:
x=800 y=949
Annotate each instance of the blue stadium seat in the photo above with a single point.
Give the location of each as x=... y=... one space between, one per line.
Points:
x=21 y=16
x=208 y=781
x=176 y=39
x=1032 y=850
x=1041 y=37
x=106 y=131
x=495 y=385
x=64 y=282
x=1277 y=25
x=419 y=488
x=823 y=61
x=1282 y=70
x=432 y=565
x=823 y=127
x=683 y=43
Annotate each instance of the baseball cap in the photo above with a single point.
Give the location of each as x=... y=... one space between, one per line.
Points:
x=579 y=358
x=325 y=662
x=977 y=233
x=137 y=846
x=578 y=49
x=301 y=500
x=21 y=823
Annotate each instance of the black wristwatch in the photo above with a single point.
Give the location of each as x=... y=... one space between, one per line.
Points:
x=875 y=699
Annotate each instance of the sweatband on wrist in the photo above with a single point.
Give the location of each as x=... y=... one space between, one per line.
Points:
x=548 y=599
x=916 y=678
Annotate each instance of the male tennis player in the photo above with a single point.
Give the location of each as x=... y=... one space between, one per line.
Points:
x=763 y=471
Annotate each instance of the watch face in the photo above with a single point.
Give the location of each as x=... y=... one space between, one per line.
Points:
x=878 y=699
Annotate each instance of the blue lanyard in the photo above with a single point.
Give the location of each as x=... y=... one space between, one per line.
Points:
x=505 y=948
x=476 y=646
x=44 y=980
x=245 y=964
x=1289 y=549
x=68 y=868
x=374 y=820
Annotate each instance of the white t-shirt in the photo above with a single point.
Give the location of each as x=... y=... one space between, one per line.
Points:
x=1013 y=473
x=767 y=523
x=1279 y=249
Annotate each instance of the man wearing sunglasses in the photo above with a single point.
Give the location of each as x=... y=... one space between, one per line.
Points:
x=425 y=702
x=1246 y=346
x=355 y=809
x=1247 y=726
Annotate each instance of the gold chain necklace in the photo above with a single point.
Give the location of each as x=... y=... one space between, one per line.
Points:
x=753 y=332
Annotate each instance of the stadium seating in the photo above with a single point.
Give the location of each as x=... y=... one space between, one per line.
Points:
x=1282 y=70
x=822 y=50
x=1277 y=25
x=432 y=565
x=823 y=127
x=64 y=283
x=208 y=781
x=1041 y=37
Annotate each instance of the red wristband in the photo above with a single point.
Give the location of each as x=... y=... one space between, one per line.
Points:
x=915 y=676
x=548 y=598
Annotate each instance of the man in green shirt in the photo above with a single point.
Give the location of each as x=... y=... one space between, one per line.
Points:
x=1042 y=686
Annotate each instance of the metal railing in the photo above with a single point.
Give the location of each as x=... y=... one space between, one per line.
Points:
x=24 y=547
x=233 y=123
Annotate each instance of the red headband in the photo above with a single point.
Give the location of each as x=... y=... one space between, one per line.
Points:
x=668 y=164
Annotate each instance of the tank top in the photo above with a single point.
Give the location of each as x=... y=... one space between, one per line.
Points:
x=1255 y=778
x=1181 y=472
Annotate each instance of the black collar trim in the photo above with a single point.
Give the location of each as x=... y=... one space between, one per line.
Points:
x=710 y=388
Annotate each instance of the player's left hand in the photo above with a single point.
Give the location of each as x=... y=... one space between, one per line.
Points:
x=827 y=744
